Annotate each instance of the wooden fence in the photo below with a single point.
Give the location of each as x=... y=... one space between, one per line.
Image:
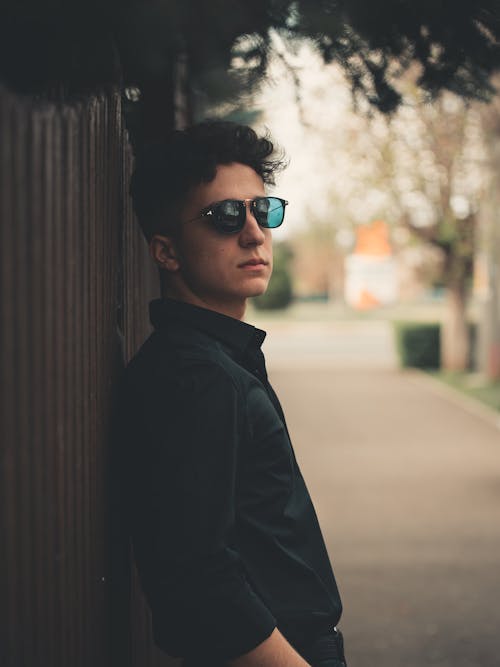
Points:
x=75 y=282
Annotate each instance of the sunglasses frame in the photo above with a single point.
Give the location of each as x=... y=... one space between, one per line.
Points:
x=210 y=211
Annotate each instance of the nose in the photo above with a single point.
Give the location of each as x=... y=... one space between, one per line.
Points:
x=252 y=233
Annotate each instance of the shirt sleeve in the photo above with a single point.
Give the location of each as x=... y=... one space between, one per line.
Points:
x=185 y=440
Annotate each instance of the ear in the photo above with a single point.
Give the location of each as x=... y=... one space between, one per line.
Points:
x=164 y=252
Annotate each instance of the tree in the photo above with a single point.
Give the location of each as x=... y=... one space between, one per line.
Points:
x=82 y=45
x=438 y=158
x=421 y=169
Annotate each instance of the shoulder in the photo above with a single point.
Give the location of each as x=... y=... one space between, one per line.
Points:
x=171 y=363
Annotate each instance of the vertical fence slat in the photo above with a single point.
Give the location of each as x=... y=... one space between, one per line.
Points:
x=9 y=611
x=21 y=409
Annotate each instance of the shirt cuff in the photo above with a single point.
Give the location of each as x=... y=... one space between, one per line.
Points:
x=225 y=630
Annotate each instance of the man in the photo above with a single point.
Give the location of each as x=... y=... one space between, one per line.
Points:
x=226 y=540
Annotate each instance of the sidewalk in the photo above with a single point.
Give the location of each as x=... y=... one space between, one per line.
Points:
x=406 y=483
x=348 y=343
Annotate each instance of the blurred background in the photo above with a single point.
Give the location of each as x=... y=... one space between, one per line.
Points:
x=383 y=344
x=382 y=315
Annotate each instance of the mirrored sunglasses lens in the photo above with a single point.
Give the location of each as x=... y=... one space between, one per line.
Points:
x=269 y=211
x=229 y=216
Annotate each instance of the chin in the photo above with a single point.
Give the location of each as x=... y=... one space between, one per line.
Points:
x=256 y=290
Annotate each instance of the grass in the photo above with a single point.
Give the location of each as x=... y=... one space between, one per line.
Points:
x=474 y=385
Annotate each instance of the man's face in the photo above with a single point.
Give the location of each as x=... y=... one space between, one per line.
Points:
x=213 y=268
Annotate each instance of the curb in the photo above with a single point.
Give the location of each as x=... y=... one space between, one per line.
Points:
x=455 y=396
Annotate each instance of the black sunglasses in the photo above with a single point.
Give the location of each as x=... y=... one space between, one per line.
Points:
x=228 y=216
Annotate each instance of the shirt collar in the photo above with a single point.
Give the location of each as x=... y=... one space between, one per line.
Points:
x=233 y=332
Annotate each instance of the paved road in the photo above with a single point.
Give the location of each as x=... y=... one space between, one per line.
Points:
x=407 y=487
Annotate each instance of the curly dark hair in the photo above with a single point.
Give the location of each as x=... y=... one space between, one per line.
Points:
x=165 y=173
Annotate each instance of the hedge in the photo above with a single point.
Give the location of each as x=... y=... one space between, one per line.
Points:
x=418 y=344
x=279 y=293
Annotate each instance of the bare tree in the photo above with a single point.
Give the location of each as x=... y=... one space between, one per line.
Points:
x=423 y=168
x=437 y=160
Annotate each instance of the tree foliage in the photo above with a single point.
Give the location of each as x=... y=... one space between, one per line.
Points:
x=279 y=293
x=87 y=44
x=455 y=44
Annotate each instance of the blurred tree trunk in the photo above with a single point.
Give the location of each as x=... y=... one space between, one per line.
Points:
x=459 y=250
x=454 y=330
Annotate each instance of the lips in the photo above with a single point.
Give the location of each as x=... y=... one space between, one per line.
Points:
x=254 y=262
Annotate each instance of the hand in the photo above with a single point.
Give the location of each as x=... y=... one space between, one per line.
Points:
x=275 y=651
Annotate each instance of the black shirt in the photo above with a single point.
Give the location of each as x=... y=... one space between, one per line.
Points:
x=225 y=536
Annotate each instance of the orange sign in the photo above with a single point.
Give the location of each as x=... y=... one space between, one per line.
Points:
x=371 y=276
x=373 y=239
